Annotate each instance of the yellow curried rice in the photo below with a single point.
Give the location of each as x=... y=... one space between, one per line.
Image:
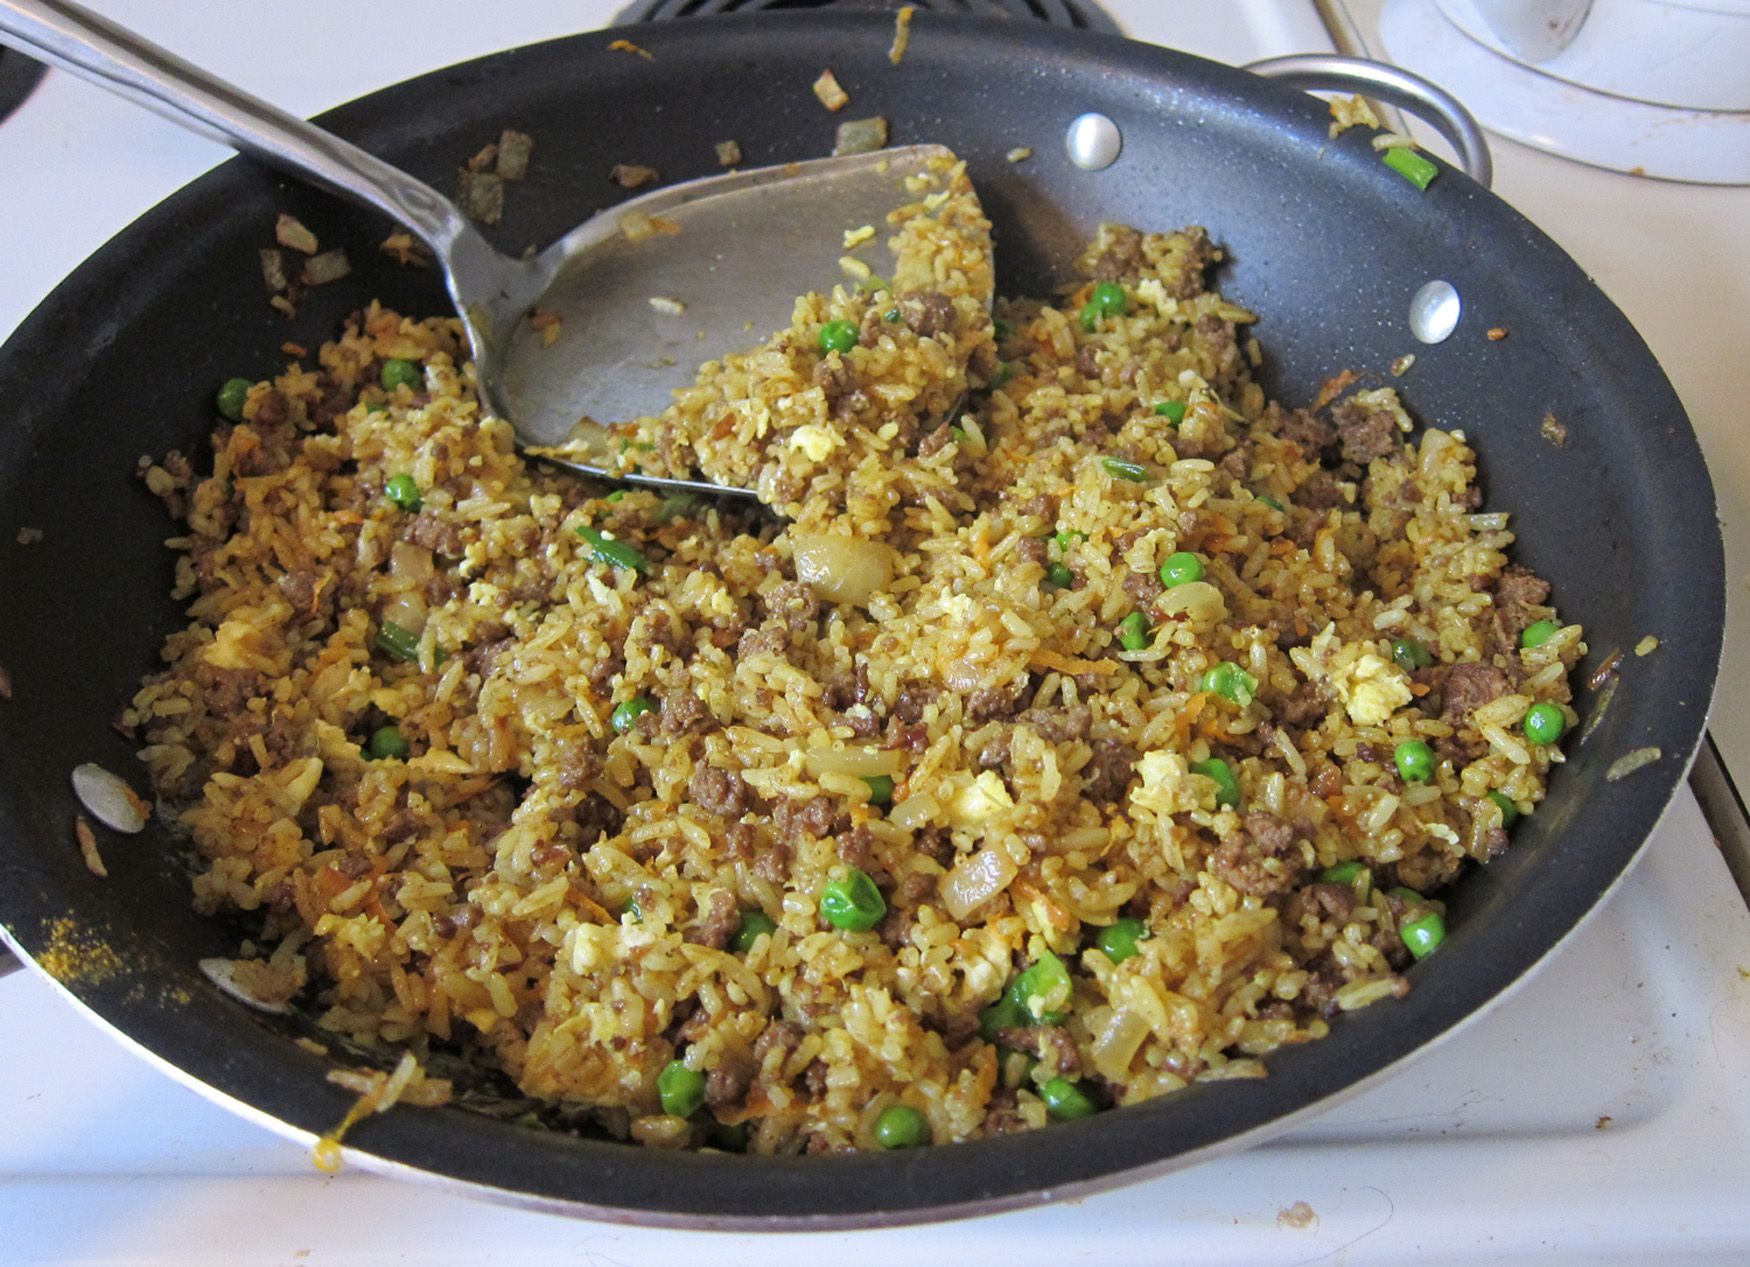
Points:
x=930 y=798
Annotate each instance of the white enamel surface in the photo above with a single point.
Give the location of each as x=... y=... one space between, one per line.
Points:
x=1513 y=100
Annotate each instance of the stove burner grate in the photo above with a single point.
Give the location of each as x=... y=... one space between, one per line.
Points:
x=1079 y=15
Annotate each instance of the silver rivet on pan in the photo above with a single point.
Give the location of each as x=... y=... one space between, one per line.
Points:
x=1093 y=141
x=1434 y=312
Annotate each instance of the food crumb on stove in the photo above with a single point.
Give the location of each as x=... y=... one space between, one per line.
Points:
x=1402 y=365
x=548 y=324
x=290 y=232
x=901 y=33
x=285 y=306
x=404 y=248
x=514 y=150
x=664 y=304
x=855 y=268
x=1348 y=112
x=1020 y=154
x=312 y=1046
x=827 y=89
x=378 y=1092
x=728 y=153
x=1298 y=1215
x=294 y=349
x=88 y=847
x=484 y=157
x=1553 y=430
x=1497 y=333
x=1603 y=1122
x=860 y=136
x=635 y=226
x=627 y=46
x=856 y=237
x=29 y=536
x=633 y=175
x=1647 y=645
x=1628 y=763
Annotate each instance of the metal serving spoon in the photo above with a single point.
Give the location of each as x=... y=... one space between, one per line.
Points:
x=748 y=243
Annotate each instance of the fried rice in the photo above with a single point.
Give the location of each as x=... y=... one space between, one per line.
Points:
x=1096 y=666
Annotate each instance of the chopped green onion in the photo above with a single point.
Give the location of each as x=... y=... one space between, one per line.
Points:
x=1509 y=811
x=1068 y=537
x=1066 y=1100
x=874 y=284
x=1538 y=632
x=398 y=643
x=958 y=432
x=1005 y=371
x=1411 y=655
x=1423 y=936
x=676 y=505
x=1135 y=472
x=891 y=315
x=1133 y=632
x=880 y=789
x=1118 y=940
x=1410 y=165
x=1003 y=327
x=618 y=495
x=605 y=549
x=1059 y=575
x=1273 y=504
x=1172 y=410
x=1090 y=316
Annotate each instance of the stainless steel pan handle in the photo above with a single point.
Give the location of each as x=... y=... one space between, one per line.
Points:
x=1425 y=100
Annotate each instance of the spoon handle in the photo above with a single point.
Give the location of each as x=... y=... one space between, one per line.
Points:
x=96 y=49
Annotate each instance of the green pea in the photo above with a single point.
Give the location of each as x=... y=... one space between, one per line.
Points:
x=891 y=315
x=403 y=490
x=1544 y=724
x=1422 y=936
x=400 y=372
x=1135 y=472
x=1003 y=327
x=1414 y=760
x=635 y=911
x=1090 y=316
x=1172 y=410
x=681 y=1090
x=1117 y=941
x=1110 y=299
x=232 y=397
x=1133 y=632
x=612 y=551
x=1227 y=787
x=1066 y=1100
x=628 y=711
x=1509 y=811
x=852 y=902
x=1538 y=632
x=1043 y=991
x=388 y=741
x=1068 y=537
x=1342 y=872
x=754 y=925
x=880 y=789
x=838 y=336
x=1005 y=1013
x=1005 y=371
x=901 y=1126
x=1059 y=575
x=1181 y=568
x=397 y=643
x=1230 y=682
x=1410 y=655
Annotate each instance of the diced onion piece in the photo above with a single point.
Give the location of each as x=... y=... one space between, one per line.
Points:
x=861 y=763
x=861 y=136
x=109 y=798
x=1115 y=1042
x=1628 y=763
x=974 y=880
x=407 y=611
x=1198 y=600
x=409 y=562
x=842 y=569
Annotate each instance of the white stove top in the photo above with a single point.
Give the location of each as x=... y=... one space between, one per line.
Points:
x=1601 y=1114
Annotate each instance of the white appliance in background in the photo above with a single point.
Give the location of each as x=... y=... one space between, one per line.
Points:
x=1600 y=1115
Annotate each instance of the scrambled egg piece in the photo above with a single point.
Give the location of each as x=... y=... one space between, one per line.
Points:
x=1372 y=688
x=815 y=440
x=980 y=801
x=1164 y=784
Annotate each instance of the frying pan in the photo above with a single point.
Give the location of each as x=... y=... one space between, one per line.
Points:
x=1323 y=240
